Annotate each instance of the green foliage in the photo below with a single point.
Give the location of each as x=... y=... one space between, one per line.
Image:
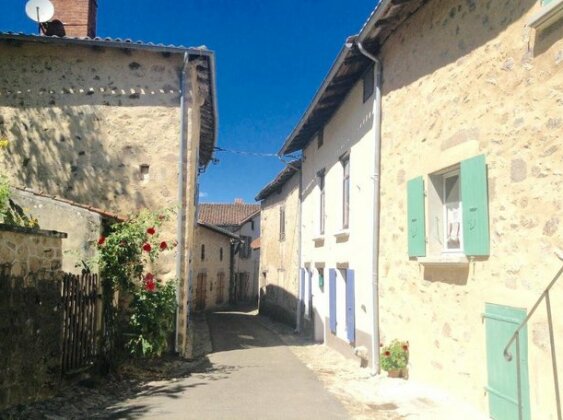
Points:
x=395 y=355
x=4 y=196
x=152 y=319
x=123 y=258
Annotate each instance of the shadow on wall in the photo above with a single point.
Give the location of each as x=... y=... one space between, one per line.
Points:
x=452 y=33
x=278 y=304
x=60 y=151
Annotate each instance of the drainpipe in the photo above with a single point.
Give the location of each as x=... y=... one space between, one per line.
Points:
x=375 y=368
x=182 y=181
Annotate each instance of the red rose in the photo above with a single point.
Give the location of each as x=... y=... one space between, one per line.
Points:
x=150 y=286
x=149 y=277
x=147 y=247
x=151 y=231
x=387 y=353
x=163 y=245
x=101 y=240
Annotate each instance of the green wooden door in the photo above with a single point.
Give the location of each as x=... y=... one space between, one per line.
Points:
x=502 y=384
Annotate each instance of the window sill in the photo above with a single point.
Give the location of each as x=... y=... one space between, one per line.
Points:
x=319 y=240
x=342 y=236
x=453 y=260
x=547 y=15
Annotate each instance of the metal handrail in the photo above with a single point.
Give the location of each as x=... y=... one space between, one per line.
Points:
x=515 y=338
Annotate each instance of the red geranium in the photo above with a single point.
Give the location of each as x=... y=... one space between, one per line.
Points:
x=101 y=240
x=150 y=286
x=147 y=247
x=149 y=277
x=163 y=245
x=151 y=231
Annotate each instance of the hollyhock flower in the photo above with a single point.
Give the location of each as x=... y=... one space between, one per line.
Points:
x=163 y=245
x=387 y=353
x=149 y=277
x=147 y=247
x=150 y=286
x=151 y=231
x=101 y=240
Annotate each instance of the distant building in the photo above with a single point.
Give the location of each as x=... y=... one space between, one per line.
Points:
x=244 y=221
x=279 y=247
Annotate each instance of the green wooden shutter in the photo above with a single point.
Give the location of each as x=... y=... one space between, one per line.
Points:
x=475 y=203
x=546 y=2
x=415 y=214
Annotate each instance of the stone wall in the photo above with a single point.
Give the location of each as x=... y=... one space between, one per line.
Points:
x=279 y=260
x=82 y=226
x=463 y=78
x=29 y=250
x=212 y=266
x=30 y=316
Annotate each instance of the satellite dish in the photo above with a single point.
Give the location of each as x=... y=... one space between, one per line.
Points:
x=39 y=10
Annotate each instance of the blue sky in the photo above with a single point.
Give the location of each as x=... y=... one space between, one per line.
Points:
x=271 y=58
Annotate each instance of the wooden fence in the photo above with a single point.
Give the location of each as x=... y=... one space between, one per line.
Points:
x=79 y=297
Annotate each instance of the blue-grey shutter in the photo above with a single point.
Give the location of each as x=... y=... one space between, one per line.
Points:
x=332 y=299
x=475 y=205
x=350 y=306
x=415 y=214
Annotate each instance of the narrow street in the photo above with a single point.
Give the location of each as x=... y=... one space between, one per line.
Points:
x=250 y=374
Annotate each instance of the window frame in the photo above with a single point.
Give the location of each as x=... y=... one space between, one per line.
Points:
x=345 y=161
x=450 y=173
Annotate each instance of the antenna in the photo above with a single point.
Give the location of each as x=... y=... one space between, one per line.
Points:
x=39 y=11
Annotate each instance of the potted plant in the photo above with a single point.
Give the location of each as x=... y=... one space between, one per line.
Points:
x=394 y=359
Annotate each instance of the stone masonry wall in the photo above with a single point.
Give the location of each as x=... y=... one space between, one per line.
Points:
x=279 y=260
x=30 y=323
x=462 y=78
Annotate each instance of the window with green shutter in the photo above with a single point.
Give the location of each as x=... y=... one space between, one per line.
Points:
x=415 y=217
x=458 y=211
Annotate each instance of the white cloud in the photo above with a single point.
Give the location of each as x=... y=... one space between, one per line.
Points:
x=203 y=194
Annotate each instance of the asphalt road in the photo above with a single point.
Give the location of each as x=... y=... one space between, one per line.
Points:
x=250 y=375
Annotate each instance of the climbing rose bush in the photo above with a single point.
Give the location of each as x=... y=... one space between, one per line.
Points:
x=124 y=258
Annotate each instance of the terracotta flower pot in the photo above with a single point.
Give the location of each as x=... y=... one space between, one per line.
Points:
x=395 y=373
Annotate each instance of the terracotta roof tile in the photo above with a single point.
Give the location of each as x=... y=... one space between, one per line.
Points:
x=221 y=214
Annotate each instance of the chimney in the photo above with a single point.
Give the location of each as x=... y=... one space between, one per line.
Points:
x=239 y=201
x=78 y=17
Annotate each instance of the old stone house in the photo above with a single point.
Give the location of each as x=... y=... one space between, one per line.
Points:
x=244 y=221
x=213 y=266
x=114 y=124
x=431 y=197
x=279 y=244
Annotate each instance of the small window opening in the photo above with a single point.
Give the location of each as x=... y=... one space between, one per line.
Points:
x=144 y=170
x=202 y=252
x=221 y=254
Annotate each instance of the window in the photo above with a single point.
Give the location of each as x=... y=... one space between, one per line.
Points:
x=321 y=176
x=320 y=138
x=458 y=216
x=252 y=225
x=245 y=247
x=368 y=82
x=221 y=254
x=202 y=252
x=282 y=223
x=345 y=160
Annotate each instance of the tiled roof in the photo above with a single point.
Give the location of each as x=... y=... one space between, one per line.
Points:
x=219 y=230
x=222 y=214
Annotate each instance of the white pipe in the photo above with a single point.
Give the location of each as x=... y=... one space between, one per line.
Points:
x=375 y=368
x=182 y=181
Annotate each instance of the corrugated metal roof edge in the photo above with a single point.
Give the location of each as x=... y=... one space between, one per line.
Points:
x=107 y=42
x=375 y=15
